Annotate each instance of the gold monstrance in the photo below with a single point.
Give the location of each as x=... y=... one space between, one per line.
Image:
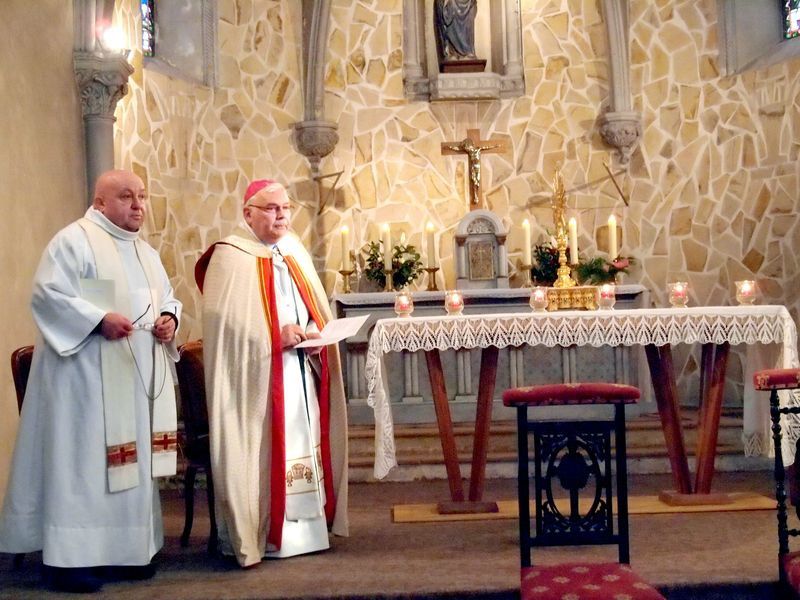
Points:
x=559 y=206
x=566 y=293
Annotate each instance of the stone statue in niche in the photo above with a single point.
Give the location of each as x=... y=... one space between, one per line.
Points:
x=454 y=27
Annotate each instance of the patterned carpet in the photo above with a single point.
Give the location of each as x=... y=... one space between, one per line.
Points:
x=702 y=555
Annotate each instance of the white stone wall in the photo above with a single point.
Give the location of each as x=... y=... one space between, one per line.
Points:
x=714 y=185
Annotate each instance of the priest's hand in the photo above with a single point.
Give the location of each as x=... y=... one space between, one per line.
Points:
x=164 y=329
x=115 y=326
x=313 y=350
x=291 y=335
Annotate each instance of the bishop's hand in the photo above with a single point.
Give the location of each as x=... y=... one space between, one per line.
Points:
x=291 y=335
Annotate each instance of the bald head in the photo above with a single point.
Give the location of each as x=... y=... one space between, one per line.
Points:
x=121 y=197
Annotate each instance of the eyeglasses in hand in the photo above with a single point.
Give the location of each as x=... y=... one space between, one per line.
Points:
x=145 y=326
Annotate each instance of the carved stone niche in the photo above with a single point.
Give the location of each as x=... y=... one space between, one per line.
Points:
x=481 y=255
x=498 y=24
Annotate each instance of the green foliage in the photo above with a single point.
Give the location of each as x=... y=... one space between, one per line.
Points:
x=406 y=264
x=598 y=270
x=545 y=264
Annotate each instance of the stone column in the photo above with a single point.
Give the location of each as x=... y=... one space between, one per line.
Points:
x=621 y=126
x=314 y=137
x=102 y=80
x=513 y=66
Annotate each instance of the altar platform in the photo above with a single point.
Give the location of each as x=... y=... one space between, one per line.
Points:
x=700 y=556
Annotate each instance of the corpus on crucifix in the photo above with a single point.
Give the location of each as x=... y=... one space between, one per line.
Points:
x=473 y=146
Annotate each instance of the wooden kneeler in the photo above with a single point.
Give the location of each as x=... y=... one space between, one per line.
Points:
x=572 y=454
x=775 y=380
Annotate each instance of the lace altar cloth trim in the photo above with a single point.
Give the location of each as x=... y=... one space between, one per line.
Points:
x=719 y=324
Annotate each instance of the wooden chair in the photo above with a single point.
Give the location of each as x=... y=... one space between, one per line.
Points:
x=572 y=453
x=191 y=382
x=20 y=369
x=774 y=380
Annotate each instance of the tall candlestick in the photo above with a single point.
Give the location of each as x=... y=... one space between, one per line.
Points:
x=387 y=247
x=613 y=251
x=431 y=248
x=526 y=244
x=345 y=248
x=573 y=241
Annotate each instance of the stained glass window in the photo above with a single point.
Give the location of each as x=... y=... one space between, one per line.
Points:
x=148 y=27
x=791 y=18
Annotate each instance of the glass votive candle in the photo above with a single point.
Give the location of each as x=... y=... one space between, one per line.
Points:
x=538 y=300
x=678 y=294
x=606 y=296
x=403 y=304
x=453 y=302
x=746 y=291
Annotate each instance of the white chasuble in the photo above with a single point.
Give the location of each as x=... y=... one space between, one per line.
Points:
x=237 y=350
x=58 y=497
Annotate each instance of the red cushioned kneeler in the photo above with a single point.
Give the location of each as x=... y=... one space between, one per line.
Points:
x=775 y=380
x=573 y=454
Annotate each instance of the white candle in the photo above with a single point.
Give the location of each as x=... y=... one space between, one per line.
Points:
x=387 y=247
x=526 y=244
x=345 y=248
x=613 y=251
x=431 y=248
x=573 y=241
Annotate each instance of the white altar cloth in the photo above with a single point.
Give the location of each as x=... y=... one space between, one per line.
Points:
x=768 y=331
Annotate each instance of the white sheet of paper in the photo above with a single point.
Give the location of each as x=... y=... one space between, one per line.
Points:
x=335 y=331
x=99 y=292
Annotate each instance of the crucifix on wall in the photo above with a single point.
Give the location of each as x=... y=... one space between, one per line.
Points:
x=473 y=146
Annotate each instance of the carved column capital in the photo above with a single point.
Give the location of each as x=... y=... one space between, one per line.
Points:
x=102 y=82
x=315 y=140
x=623 y=130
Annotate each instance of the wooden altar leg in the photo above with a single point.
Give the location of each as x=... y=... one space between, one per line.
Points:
x=445 y=422
x=708 y=428
x=483 y=419
x=659 y=359
x=706 y=362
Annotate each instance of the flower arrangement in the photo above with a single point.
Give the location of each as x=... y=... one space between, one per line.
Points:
x=594 y=271
x=406 y=264
x=598 y=270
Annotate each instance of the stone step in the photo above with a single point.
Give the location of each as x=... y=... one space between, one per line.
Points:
x=419 y=450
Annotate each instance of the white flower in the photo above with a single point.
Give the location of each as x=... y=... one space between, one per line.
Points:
x=580 y=570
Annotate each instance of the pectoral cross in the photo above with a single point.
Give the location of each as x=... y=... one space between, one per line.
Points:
x=473 y=146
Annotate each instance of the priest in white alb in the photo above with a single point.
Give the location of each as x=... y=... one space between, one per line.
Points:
x=98 y=421
x=277 y=415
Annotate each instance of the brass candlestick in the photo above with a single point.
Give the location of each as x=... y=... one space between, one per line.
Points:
x=346 y=273
x=526 y=275
x=431 y=271
x=389 y=285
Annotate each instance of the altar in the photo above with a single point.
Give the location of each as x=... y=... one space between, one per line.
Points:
x=409 y=392
x=768 y=332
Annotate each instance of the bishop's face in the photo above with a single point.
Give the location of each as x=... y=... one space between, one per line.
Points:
x=122 y=199
x=268 y=214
